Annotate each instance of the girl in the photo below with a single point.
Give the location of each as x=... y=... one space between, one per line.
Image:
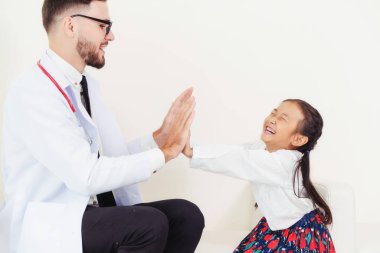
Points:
x=295 y=215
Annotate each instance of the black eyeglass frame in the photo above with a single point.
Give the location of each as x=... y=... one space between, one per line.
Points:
x=107 y=22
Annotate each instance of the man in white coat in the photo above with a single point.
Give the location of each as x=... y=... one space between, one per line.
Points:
x=70 y=180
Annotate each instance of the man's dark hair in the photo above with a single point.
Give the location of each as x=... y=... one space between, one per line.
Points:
x=52 y=8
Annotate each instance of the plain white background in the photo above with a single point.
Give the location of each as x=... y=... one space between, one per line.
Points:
x=242 y=58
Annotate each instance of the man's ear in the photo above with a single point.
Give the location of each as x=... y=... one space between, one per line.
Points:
x=299 y=140
x=68 y=26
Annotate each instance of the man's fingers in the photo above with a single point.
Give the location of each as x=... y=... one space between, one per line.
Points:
x=177 y=115
x=189 y=122
x=187 y=109
x=177 y=105
x=185 y=95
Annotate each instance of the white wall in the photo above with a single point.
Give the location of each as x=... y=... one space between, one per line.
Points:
x=242 y=57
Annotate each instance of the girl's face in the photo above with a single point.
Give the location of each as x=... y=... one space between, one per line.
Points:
x=280 y=128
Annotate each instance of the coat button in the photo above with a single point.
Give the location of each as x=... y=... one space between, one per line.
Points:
x=90 y=141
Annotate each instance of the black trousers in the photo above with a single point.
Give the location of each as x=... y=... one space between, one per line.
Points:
x=167 y=226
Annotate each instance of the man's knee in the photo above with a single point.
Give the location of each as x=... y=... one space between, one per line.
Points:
x=149 y=235
x=190 y=214
x=155 y=226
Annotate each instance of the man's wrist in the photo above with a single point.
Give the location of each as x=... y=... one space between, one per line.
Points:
x=158 y=138
x=167 y=154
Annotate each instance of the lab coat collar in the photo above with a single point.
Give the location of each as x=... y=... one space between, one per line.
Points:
x=53 y=68
x=71 y=74
x=62 y=72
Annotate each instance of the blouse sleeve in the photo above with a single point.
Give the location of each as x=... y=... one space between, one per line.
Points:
x=255 y=165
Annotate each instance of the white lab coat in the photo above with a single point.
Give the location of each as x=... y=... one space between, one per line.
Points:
x=51 y=166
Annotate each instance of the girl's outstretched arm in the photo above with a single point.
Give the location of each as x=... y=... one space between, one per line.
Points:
x=255 y=165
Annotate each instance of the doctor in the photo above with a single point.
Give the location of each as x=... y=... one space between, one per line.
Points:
x=70 y=179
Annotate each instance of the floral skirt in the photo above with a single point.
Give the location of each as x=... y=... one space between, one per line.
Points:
x=308 y=235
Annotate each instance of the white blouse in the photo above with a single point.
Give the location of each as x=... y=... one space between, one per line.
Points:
x=271 y=175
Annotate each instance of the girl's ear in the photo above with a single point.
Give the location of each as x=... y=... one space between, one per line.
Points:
x=299 y=140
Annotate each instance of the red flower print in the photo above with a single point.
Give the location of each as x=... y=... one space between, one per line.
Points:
x=303 y=243
x=313 y=245
x=332 y=249
x=292 y=237
x=249 y=251
x=268 y=237
x=273 y=244
x=285 y=233
x=318 y=219
x=321 y=246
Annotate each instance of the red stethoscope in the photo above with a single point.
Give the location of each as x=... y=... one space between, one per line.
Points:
x=56 y=85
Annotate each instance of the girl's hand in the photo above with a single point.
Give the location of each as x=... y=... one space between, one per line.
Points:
x=187 y=150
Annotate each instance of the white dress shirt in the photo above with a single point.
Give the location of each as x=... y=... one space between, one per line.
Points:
x=271 y=174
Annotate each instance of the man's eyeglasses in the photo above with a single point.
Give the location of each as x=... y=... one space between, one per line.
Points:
x=107 y=22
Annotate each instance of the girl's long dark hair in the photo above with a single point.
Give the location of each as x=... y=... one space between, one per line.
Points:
x=311 y=127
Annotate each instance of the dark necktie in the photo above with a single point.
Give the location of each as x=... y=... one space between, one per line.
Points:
x=105 y=199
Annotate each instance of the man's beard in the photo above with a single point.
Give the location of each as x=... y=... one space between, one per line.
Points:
x=90 y=54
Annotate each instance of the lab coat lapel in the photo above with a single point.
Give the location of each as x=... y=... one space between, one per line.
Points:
x=85 y=120
x=80 y=112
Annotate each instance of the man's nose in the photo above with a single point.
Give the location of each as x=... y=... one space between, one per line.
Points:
x=110 y=36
